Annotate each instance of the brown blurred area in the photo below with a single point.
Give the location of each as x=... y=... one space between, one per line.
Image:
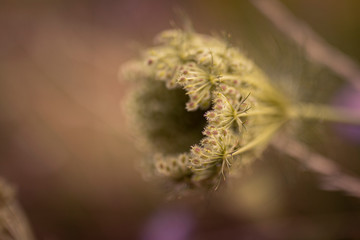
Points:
x=64 y=141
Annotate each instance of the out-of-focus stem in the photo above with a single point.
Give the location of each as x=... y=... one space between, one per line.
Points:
x=329 y=171
x=13 y=222
x=315 y=47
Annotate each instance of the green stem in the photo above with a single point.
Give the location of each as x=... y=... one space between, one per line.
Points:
x=307 y=111
x=326 y=113
x=260 y=139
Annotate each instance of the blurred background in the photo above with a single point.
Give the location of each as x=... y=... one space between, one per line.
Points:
x=65 y=145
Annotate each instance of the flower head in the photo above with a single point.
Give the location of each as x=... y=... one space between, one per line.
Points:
x=201 y=92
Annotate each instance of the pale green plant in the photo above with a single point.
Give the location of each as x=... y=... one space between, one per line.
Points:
x=191 y=83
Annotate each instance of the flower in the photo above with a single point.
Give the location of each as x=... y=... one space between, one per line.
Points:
x=228 y=113
x=199 y=91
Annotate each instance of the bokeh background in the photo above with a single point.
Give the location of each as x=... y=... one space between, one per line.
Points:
x=65 y=144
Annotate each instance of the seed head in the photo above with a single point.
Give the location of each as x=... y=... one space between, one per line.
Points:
x=199 y=90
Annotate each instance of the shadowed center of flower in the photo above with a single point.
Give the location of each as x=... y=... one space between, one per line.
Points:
x=169 y=126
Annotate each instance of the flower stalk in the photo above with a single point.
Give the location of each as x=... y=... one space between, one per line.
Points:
x=325 y=113
x=202 y=107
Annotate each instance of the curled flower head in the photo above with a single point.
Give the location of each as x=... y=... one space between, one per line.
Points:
x=201 y=107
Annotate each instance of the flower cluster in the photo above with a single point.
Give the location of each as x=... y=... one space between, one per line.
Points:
x=227 y=113
x=172 y=166
x=225 y=94
x=214 y=154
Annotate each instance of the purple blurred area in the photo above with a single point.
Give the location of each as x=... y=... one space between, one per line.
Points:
x=349 y=98
x=65 y=144
x=175 y=224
